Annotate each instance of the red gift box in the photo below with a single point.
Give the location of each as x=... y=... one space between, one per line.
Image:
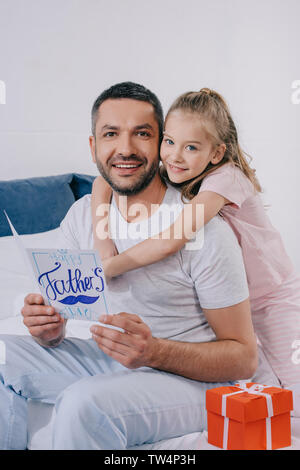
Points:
x=249 y=416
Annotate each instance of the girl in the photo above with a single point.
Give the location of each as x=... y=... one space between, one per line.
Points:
x=201 y=155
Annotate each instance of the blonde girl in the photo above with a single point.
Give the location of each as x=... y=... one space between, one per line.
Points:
x=201 y=156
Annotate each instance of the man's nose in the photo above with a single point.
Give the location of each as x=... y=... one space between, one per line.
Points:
x=125 y=145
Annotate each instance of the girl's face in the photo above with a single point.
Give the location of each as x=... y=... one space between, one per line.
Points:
x=186 y=148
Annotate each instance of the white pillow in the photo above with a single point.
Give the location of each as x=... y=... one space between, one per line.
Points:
x=15 y=282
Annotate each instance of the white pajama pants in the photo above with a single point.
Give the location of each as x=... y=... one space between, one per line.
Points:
x=99 y=403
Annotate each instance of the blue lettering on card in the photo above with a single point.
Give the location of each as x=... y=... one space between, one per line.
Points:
x=75 y=283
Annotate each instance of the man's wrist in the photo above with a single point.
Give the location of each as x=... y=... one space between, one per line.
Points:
x=53 y=342
x=155 y=359
x=49 y=344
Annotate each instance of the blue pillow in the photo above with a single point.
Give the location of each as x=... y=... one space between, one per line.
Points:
x=81 y=185
x=35 y=204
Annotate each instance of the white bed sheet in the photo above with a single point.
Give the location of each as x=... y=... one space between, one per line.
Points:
x=41 y=415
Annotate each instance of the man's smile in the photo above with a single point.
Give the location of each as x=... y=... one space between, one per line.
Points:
x=126 y=168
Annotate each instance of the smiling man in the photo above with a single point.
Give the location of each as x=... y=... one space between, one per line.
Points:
x=131 y=168
x=126 y=150
x=186 y=320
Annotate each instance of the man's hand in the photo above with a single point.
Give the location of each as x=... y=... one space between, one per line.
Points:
x=134 y=348
x=232 y=356
x=43 y=323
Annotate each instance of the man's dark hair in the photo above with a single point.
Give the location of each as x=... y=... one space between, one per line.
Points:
x=133 y=91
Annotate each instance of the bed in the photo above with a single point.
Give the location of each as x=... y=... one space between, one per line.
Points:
x=25 y=202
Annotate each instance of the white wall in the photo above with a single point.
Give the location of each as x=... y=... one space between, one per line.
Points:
x=57 y=56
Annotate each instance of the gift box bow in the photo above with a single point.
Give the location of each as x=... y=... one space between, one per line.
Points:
x=256 y=389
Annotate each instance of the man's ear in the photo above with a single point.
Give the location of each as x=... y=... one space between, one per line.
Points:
x=93 y=147
x=218 y=154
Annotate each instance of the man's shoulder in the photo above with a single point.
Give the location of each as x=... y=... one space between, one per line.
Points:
x=216 y=235
x=80 y=207
x=76 y=227
x=217 y=268
x=82 y=203
x=217 y=230
x=216 y=240
x=79 y=214
x=217 y=227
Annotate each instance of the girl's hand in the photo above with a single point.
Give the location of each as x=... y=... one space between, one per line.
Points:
x=107 y=265
x=100 y=204
x=106 y=249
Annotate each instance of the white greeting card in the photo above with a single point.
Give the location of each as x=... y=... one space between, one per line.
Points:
x=72 y=281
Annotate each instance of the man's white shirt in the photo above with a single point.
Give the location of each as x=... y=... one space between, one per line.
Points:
x=168 y=295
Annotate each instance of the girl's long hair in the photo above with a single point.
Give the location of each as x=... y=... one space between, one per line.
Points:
x=212 y=109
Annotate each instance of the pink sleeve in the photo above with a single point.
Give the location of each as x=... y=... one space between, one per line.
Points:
x=230 y=182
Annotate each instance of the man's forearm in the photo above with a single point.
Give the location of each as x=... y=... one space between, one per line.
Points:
x=215 y=361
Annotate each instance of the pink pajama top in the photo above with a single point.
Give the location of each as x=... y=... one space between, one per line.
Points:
x=266 y=261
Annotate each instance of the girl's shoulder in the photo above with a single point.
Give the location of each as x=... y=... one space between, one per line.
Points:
x=230 y=174
x=228 y=168
x=229 y=181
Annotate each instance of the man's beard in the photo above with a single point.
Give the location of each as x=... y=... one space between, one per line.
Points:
x=137 y=185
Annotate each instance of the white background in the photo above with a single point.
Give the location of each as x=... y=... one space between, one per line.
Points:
x=56 y=56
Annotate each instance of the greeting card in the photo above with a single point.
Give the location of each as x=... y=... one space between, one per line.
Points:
x=72 y=281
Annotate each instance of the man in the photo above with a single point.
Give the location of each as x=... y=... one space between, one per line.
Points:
x=187 y=325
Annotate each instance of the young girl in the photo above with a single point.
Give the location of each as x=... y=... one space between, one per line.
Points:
x=201 y=155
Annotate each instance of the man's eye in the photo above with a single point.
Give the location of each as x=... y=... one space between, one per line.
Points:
x=144 y=134
x=109 y=134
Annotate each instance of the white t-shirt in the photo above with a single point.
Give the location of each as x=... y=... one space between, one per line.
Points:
x=167 y=295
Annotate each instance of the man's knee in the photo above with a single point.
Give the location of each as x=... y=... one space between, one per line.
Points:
x=8 y=344
x=12 y=348
x=78 y=397
x=71 y=399
x=90 y=398
x=16 y=355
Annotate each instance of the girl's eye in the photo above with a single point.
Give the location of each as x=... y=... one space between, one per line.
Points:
x=191 y=147
x=169 y=141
